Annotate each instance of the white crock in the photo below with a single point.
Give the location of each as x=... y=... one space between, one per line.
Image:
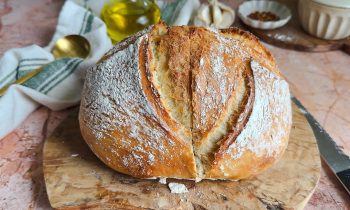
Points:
x=326 y=19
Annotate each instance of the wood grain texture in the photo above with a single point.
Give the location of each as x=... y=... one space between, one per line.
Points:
x=292 y=36
x=76 y=179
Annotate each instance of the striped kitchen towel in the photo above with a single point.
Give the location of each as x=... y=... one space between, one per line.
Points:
x=59 y=84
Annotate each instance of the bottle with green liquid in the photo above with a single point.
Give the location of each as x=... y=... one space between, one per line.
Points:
x=126 y=17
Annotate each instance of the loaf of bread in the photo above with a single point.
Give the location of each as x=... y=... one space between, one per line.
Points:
x=188 y=103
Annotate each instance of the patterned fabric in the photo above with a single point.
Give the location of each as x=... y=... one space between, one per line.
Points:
x=170 y=11
x=59 y=83
x=52 y=74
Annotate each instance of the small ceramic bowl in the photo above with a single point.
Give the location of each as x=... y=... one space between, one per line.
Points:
x=325 y=19
x=276 y=8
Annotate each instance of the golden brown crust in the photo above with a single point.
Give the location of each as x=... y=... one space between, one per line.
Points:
x=123 y=123
x=154 y=99
x=172 y=47
x=255 y=49
x=219 y=68
x=172 y=100
x=240 y=121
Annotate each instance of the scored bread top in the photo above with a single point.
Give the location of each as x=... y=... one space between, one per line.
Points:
x=187 y=102
x=120 y=125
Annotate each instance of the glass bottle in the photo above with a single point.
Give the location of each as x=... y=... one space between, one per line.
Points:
x=126 y=17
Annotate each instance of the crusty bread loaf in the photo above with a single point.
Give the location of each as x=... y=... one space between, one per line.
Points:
x=187 y=102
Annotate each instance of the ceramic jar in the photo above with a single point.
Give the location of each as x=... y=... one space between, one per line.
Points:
x=326 y=19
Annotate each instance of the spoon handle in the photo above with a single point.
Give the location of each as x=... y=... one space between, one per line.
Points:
x=22 y=79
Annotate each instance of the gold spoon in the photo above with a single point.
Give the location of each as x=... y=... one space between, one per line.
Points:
x=67 y=46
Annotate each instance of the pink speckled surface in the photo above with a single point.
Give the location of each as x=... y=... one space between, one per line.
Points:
x=320 y=80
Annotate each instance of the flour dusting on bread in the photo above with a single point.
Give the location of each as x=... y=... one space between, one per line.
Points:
x=115 y=103
x=268 y=120
x=186 y=103
x=119 y=120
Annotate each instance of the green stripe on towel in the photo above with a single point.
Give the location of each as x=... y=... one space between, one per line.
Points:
x=32 y=59
x=170 y=11
x=49 y=81
x=34 y=64
x=63 y=77
x=24 y=70
x=13 y=72
x=83 y=23
x=89 y=23
x=49 y=71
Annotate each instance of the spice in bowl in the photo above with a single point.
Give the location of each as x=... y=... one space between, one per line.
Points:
x=263 y=16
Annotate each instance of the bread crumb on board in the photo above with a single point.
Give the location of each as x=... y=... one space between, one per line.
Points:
x=162 y=180
x=177 y=188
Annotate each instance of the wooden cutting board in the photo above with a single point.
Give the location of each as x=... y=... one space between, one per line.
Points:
x=292 y=36
x=76 y=179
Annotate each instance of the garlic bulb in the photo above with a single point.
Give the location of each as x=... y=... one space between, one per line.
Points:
x=215 y=14
x=203 y=17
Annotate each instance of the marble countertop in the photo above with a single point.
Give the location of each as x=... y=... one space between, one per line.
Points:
x=321 y=81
